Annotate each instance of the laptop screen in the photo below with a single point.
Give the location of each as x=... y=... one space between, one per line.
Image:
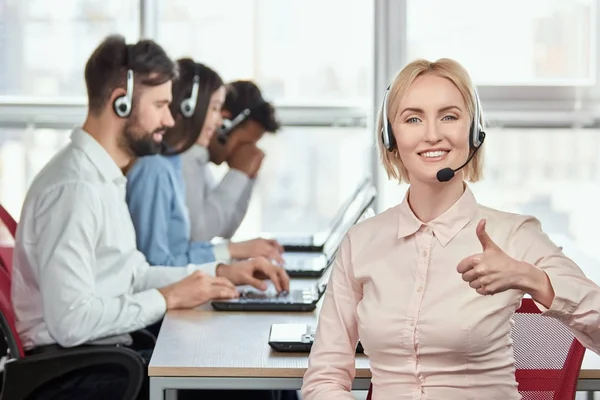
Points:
x=352 y=212
x=324 y=236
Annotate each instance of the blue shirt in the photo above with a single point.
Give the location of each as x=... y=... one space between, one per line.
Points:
x=156 y=200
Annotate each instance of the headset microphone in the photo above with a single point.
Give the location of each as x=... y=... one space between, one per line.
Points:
x=445 y=174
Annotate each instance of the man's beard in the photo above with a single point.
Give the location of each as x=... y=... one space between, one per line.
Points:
x=138 y=143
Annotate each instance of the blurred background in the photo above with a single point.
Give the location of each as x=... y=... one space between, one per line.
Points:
x=325 y=64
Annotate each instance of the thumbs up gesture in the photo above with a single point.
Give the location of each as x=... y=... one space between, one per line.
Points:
x=491 y=271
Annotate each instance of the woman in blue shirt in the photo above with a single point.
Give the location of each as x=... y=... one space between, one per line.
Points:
x=155 y=184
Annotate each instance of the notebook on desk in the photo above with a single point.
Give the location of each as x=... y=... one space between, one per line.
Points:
x=312 y=264
x=295 y=338
x=316 y=242
x=252 y=299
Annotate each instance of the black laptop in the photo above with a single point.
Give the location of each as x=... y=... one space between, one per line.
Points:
x=312 y=264
x=252 y=299
x=316 y=242
x=295 y=338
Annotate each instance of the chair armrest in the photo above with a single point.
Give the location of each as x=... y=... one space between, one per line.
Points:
x=25 y=375
x=143 y=340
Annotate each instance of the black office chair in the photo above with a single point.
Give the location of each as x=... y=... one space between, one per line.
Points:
x=26 y=374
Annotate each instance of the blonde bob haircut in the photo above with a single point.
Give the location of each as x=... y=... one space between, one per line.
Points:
x=445 y=68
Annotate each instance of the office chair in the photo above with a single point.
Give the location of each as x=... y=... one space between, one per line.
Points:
x=25 y=374
x=548 y=357
x=9 y=221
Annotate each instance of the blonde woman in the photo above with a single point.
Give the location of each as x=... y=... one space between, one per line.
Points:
x=430 y=285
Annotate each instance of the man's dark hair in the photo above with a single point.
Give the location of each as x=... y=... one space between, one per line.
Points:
x=243 y=95
x=106 y=69
x=187 y=130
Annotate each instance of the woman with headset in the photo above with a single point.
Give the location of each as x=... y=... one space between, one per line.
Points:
x=430 y=285
x=155 y=184
x=217 y=209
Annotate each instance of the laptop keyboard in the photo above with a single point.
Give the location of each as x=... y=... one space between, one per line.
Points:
x=296 y=264
x=296 y=296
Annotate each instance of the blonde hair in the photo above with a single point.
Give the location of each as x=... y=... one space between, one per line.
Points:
x=445 y=68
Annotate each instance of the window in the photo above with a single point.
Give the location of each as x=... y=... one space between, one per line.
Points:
x=552 y=174
x=306 y=175
x=44 y=45
x=23 y=153
x=510 y=42
x=303 y=52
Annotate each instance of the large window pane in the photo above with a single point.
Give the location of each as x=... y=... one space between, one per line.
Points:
x=509 y=42
x=306 y=176
x=44 y=44
x=552 y=174
x=23 y=153
x=308 y=51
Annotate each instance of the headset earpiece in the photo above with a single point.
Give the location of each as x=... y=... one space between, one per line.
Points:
x=123 y=104
x=188 y=105
x=387 y=135
x=229 y=125
x=476 y=134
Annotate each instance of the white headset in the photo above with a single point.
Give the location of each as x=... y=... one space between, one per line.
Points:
x=188 y=105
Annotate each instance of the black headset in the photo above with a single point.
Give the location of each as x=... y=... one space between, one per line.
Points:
x=230 y=125
x=123 y=104
x=476 y=133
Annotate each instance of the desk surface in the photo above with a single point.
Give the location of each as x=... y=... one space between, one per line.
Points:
x=207 y=343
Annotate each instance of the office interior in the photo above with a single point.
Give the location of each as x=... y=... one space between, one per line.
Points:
x=325 y=65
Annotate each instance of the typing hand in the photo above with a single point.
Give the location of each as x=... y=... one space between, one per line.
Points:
x=196 y=289
x=254 y=272
x=268 y=249
x=493 y=271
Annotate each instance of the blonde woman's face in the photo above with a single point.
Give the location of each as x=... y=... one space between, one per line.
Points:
x=431 y=127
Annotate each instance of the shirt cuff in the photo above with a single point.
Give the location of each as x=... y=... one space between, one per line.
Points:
x=208 y=268
x=201 y=252
x=562 y=306
x=155 y=305
x=236 y=180
x=221 y=251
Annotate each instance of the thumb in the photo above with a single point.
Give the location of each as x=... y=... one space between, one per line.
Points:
x=485 y=239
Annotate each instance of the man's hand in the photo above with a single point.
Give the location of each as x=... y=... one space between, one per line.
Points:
x=197 y=289
x=246 y=158
x=254 y=272
x=268 y=249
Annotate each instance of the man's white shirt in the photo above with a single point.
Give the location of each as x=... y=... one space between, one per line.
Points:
x=77 y=274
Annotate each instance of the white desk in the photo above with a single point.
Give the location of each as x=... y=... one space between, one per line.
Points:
x=203 y=349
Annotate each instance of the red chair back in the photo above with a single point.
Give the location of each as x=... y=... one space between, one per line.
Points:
x=7 y=317
x=547 y=355
x=6 y=256
x=9 y=221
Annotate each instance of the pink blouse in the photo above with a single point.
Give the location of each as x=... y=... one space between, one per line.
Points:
x=427 y=334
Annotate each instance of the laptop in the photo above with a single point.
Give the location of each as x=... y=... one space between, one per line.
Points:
x=252 y=299
x=315 y=242
x=295 y=338
x=312 y=264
